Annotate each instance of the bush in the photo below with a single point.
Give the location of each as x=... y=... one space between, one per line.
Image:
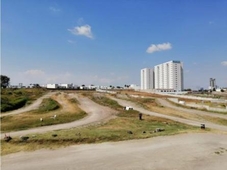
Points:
x=48 y=105
x=12 y=99
x=19 y=103
x=7 y=106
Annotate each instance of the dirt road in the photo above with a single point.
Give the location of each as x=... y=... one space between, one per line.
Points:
x=191 y=111
x=188 y=151
x=96 y=113
x=30 y=107
x=186 y=121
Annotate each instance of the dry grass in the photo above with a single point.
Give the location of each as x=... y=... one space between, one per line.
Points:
x=114 y=130
x=154 y=106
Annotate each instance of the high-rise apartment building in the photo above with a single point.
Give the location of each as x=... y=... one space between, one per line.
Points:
x=212 y=83
x=169 y=76
x=147 y=79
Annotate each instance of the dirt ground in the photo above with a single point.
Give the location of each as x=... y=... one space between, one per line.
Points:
x=191 y=111
x=203 y=151
x=96 y=113
x=182 y=120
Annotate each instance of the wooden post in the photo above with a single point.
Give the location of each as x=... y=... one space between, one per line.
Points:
x=140 y=116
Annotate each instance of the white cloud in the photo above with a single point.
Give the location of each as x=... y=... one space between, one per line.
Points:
x=224 y=63
x=32 y=76
x=60 y=78
x=53 y=9
x=158 y=47
x=34 y=72
x=84 y=30
x=41 y=77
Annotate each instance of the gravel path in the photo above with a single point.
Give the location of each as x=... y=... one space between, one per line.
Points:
x=191 y=111
x=96 y=113
x=186 y=121
x=186 y=151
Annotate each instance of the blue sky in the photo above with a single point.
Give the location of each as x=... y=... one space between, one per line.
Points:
x=108 y=42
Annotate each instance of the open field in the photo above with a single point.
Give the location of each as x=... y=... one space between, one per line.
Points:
x=125 y=126
x=192 y=148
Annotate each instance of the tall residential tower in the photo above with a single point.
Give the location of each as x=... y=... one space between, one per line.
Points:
x=169 y=76
x=147 y=79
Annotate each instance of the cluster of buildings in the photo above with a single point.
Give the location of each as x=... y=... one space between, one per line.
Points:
x=165 y=77
x=89 y=87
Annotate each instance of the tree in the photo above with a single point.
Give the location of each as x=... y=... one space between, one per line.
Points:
x=4 y=81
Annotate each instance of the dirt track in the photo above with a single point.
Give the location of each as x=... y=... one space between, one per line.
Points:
x=205 y=151
x=30 y=107
x=187 y=151
x=191 y=111
x=96 y=113
x=186 y=121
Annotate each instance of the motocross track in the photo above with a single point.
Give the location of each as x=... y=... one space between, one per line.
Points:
x=30 y=107
x=96 y=114
x=182 y=120
x=166 y=103
x=204 y=151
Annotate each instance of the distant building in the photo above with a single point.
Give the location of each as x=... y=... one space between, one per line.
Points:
x=52 y=86
x=134 y=86
x=20 y=85
x=169 y=76
x=165 y=77
x=212 y=84
x=147 y=79
x=65 y=86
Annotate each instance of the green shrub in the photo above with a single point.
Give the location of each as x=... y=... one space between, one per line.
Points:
x=12 y=99
x=7 y=105
x=48 y=105
x=19 y=103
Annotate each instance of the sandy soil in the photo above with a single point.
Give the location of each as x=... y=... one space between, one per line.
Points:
x=188 y=151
